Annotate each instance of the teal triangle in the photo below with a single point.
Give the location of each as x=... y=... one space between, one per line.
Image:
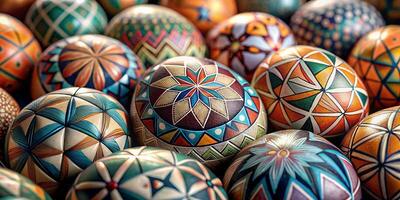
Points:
x=305 y=103
x=363 y=98
x=316 y=67
x=340 y=81
x=308 y=126
x=274 y=80
x=331 y=57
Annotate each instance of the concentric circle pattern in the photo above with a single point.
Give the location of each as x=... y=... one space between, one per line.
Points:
x=376 y=60
x=334 y=25
x=147 y=173
x=197 y=107
x=156 y=33
x=58 y=135
x=243 y=41
x=52 y=20
x=291 y=164
x=19 y=51
x=91 y=61
x=16 y=186
x=373 y=146
x=308 y=88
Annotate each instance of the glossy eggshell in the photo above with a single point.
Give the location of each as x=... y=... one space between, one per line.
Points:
x=372 y=60
x=147 y=173
x=204 y=14
x=282 y=9
x=156 y=33
x=242 y=42
x=197 y=107
x=16 y=8
x=19 y=50
x=291 y=164
x=16 y=186
x=373 y=147
x=9 y=109
x=58 y=135
x=311 y=89
x=91 y=61
x=334 y=25
x=113 y=7
x=53 y=20
x=390 y=9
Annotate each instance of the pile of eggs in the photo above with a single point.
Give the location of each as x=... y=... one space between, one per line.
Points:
x=197 y=99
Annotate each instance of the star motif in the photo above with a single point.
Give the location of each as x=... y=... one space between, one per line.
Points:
x=197 y=89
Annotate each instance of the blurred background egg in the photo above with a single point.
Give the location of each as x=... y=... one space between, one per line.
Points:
x=156 y=33
x=113 y=7
x=204 y=14
x=16 y=8
x=243 y=41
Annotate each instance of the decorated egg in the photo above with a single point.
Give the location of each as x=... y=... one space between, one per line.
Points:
x=242 y=42
x=291 y=164
x=9 y=109
x=113 y=7
x=19 y=51
x=281 y=9
x=374 y=59
x=311 y=89
x=156 y=33
x=203 y=14
x=91 y=61
x=16 y=8
x=197 y=107
x=373 y=148
x=58 y=135
x=16 y=186
x=147 y=173
x=390 y=9
x=334 y=25
x=53 y=20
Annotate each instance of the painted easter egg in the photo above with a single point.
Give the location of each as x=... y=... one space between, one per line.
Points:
x=281 y=9
x=156 y=33
x=9 y=109
x=291 y=164
x=197 y=107
x=17 y=9
x=91 y=61
x=242 y=42
x=147 y=173
x=16 y=186
x=113 y=7
x=58 y=135
x=374 y=58
x=311 y=89
x=334 y=25
x=19 y=50
x=52 y=20
x=204 y=14
x=373 y=147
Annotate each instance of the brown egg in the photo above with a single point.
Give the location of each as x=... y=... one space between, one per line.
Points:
x=16 y=8
x=204 y=14
x=9 y=109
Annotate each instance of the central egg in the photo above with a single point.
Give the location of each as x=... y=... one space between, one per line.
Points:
x=197 y=107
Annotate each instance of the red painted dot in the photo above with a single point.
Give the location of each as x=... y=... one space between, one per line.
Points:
x=112 y=185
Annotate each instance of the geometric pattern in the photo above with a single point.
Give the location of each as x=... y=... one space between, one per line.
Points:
x=156 y=33
x=9 y=109
x=51 y=21
x=113 y=7
x=203 y=14
x=373 y=146
x=16 y=186
x=58 y=135
x=91 y=61
x=311 y=89
x=281 y=10
x=389 y=9
x=19 y=50
x=376 y=58
x=242 y=42
x=147 y=173
x=198 y=103
x=334 y=25
x=292 y=164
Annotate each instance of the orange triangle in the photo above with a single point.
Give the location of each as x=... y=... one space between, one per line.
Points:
x=206 y=140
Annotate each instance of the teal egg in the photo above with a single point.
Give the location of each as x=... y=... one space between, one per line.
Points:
x=283 y=9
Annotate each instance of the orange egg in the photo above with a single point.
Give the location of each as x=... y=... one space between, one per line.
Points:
x=204 y=14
